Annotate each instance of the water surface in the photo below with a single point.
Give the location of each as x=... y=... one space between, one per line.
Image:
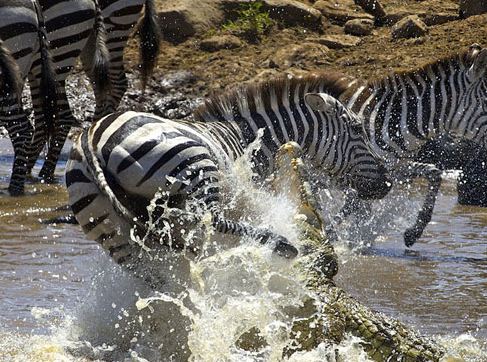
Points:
x=54 y=282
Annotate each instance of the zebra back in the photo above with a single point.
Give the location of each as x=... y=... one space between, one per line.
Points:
x=404 y=109
x=98 y=175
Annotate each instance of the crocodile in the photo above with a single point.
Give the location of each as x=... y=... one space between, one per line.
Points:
x=383 y=338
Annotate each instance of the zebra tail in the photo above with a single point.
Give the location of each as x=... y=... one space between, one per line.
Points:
x=101 y=56
x=48 y=88
x=150 y=39
x=10 y=78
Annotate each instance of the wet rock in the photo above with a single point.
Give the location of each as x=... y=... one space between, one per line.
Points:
x=175 y=106
x=220 y=42
x=171 y=96
x=298 y=55
x=337 y=41
x=472 y=7
x=374 y=8
x=181 y=19
x=287 y=12
x=359 y=27
x=409 y=27
x=394 y=16
x=437 y=18
x=341 y=11
x=174 y=80
x=294 y=13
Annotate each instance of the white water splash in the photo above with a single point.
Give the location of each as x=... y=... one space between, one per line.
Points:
x=231 y=292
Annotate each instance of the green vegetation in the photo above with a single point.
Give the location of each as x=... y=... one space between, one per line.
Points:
x=252 y=22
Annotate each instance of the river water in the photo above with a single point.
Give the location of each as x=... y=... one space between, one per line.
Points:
x=62 y=299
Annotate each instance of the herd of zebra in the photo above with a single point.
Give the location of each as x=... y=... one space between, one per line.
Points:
x=364 y=135
x=41 y=40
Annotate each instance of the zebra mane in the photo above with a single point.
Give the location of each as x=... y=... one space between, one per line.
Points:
x=459 y=60
x=255 y=95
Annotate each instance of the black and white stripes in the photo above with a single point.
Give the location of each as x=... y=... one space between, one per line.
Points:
x=402 y=111
x=123 y=161
x=330 y=137
x=119 y=164
x=98 y=31
x=24 y=53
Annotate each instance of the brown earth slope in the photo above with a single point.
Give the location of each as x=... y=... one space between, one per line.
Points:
x=297 y=49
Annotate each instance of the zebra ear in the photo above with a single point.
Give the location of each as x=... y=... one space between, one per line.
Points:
x=321 y=102
x=479 y=66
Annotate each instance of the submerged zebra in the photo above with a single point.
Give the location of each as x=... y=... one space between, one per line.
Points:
x=404 y=110
x=24 y=52
x=75 y=29
x=119 y=164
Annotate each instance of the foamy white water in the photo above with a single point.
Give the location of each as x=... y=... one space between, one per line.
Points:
x=64 y=300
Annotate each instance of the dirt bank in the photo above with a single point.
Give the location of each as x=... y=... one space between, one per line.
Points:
x=296 y=50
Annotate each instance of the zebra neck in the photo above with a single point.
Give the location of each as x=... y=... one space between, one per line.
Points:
x=226 y=135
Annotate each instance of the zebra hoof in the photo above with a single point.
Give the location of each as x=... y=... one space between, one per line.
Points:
x=284 y=249
x=410 y=237
x=15 y=191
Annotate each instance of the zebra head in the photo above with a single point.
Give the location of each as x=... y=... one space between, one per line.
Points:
x=351 y=159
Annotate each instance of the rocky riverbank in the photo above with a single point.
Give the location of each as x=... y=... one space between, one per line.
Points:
x=208 y=48
x=202 y=54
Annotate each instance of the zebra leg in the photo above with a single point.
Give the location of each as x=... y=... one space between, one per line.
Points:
x=107 y=103
x=57 y=134
x=20 y=131
x=433 y=176
x=281 y=245
x=40 y=133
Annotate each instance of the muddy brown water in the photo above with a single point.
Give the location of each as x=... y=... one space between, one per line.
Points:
x=439 y=287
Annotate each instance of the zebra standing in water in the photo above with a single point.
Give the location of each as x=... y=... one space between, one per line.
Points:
x=404 y=110
x=70 y=37
x=23 y=51
x=119 y=164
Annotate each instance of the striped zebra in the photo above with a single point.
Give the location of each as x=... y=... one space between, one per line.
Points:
x=404 y=110
x=97 y=31
x=24 y=52
x=119 y=164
